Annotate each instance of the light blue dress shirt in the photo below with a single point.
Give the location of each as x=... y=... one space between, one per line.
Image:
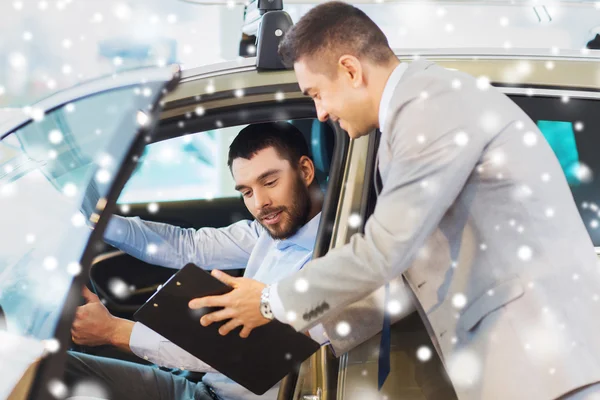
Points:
x=245 y=244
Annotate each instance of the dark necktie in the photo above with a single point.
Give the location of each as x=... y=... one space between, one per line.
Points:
x=385 y=344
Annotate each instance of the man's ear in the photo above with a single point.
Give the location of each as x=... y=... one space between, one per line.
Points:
x=352 y=69
x=307 y=170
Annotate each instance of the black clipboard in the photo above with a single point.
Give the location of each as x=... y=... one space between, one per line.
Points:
x=257 y=362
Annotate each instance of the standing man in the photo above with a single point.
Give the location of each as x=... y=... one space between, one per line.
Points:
x=474 y=211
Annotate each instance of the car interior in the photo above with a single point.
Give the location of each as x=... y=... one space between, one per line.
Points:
x=144 y=279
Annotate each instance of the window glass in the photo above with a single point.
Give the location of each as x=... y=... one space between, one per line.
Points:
x=53 y=172
x=191 y=167
x=571 y=127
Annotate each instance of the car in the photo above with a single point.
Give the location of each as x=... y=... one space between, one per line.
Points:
x=112 y=146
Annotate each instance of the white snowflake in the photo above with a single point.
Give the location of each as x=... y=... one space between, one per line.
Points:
x=30 y=238
x=464 y=368
x=301 y=285
x=549 y=65
x=18 y=5
x=449 y=28
x=459 y=300
x=142 y=119
x=583 y=173
x=210 y=88
x=549 y=212
x=575 y=277
x=118 y=287
x=525 y=253
x=291 y=316
x=565 y=99
x=578 y=126
x=69 y=189
x=483 y=246
x=67 y=43
x=394 y=307
x=52 y=345
x=152 y=248
x=545 y=177
x=279 y=96
x=103 y=176
x=594 y=223
x=78 y=220
x=171 y=18
x=43 y=5
x=483 y=83
x=461 y=139
x=239 y=93
x=57 y=389
x=530 y=139
x=117 y=61
x=153 y=208
x=343 y=328
x=498 y=158
x=421 y=138
x=354 y=220
x=70 y=108
x=122 y=11
x=55 y=136
x=424 y=353
x=507 y=45
x=17 y=61
x=74 y=268
x=199 y=111
x=504 y=21
x=50 y=263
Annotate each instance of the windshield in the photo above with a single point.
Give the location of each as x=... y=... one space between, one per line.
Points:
x=53 y=172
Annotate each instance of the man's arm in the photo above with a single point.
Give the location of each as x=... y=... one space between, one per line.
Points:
x=95 y=326
x=173 y=247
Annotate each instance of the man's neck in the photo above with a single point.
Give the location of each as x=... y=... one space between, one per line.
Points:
x=381 y=76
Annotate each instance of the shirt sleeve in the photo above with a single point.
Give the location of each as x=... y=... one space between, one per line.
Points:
x=173 y=247
x=149 y=345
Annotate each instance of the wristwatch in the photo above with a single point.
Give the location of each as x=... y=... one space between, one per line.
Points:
x=265 y=305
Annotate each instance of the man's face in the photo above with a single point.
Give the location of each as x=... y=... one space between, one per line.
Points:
x=275 y=193
x=336 y=97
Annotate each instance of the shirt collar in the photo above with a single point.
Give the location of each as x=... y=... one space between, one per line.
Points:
x=388 y=92
x=305 y=237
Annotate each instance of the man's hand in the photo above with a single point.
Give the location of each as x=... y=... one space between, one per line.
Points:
x=241 y=305
x=95 y=326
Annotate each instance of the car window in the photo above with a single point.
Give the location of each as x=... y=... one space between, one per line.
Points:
x=571 y=127
x=53 y=172
x=190 y=167
x=194 y=167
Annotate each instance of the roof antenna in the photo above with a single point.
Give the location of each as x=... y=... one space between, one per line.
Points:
x=274 y=25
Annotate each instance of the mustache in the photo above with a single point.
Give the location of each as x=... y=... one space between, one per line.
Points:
x=268 y=211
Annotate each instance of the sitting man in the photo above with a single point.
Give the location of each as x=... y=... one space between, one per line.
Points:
x=271 y=168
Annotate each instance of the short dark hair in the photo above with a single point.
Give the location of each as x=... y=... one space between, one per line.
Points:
x=333 y=29
x=287 y=140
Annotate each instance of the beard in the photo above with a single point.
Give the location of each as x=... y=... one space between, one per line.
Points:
x=293 y=217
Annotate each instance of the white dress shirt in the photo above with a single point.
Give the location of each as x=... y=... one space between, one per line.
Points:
x=245 y=244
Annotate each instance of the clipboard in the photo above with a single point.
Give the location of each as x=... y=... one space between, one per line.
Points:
x=257 y=362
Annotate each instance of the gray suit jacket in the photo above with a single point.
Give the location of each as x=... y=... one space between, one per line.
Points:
x=477 y=215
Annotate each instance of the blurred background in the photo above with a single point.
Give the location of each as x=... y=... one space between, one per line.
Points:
x=48 y=45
